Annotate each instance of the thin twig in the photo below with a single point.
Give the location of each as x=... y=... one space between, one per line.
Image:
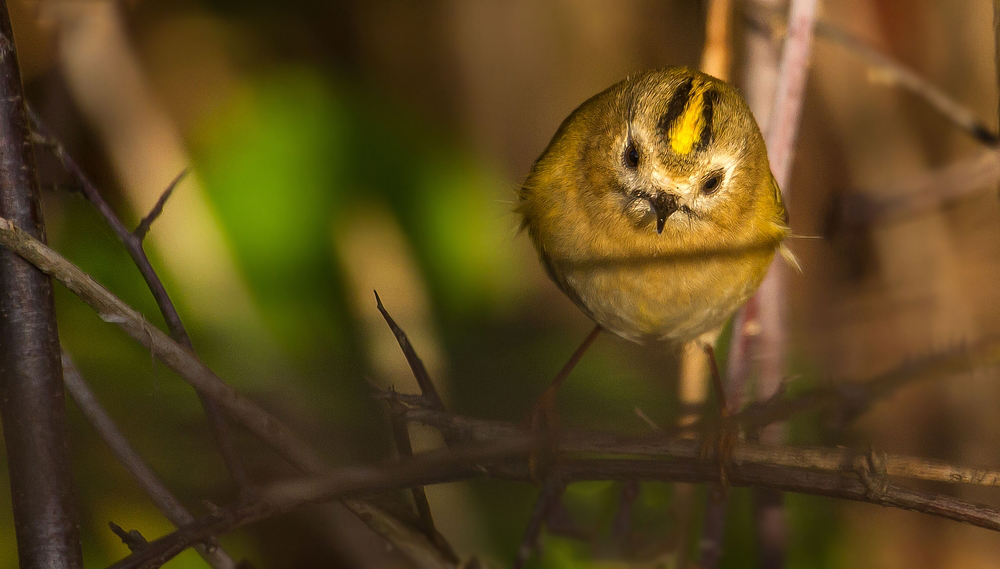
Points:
x=130 y=459
x=133 y=243
x=849 y=399
x=401 y=435
x=143 y=228
x=427 y=388
x=893 y=72
x=917 y=194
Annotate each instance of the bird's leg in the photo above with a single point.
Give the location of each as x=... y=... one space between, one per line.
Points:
x=725 y=437
x=544 y=418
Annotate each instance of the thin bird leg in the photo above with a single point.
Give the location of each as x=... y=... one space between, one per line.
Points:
x=548 y=397
x=725 y=437
x=544 y=418
x=720 y=390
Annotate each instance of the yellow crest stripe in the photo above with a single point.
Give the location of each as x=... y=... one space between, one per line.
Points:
x=687 y=129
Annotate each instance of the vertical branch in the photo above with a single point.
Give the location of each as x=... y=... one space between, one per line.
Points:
x=780 y=136
x=716 y=57
x=32 y=402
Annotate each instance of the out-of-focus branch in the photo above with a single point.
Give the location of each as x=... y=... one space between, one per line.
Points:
x=130 y=459
x=548 y=498
x=32 y=400
x=885 y=69
x=780 y=136
x=112 y=309
x=850 y=399
x=716 y=57
x=892 y=72
x=918 y=194
x=133 y=243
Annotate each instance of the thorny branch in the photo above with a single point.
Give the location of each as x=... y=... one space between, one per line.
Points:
x=495 y=449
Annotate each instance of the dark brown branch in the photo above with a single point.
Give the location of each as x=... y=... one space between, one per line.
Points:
x=130 y=459
x=420 y=373
x=133 y=245
x=32 y=401
x=401 y=435
x=836 y=473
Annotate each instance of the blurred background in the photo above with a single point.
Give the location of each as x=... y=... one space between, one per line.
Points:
x=338 y=147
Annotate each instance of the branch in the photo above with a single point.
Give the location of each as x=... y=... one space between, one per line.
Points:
x=501 y=450
x=849 y=399
x=132 y=241
x=244 y=411
x=130 y=459
x=32 y=401
x=921 y=193
x=893 y=72
x=143 y=228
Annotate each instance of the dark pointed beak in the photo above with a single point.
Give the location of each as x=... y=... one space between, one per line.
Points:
x=663 y=204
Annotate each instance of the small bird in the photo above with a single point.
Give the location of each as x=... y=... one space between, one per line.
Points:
x=654 y=208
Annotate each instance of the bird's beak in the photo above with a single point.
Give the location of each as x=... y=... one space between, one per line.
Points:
x=663 y=205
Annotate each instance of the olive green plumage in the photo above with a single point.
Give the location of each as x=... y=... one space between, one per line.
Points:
x=654 y=208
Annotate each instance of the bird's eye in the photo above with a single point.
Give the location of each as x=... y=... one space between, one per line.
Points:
x=710 y=185
x=631 y=155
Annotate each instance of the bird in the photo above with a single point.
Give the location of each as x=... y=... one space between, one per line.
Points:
x=654 y=209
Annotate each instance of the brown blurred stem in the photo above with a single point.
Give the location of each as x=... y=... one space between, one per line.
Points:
x=889 y=71
x=130 y=459
x=895 y=73
x=32 y=400
x=780 y=136
x=716 y=57
x=133 y=243
x=548 y=498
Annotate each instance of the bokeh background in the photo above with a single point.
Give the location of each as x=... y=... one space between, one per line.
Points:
x=342 y=146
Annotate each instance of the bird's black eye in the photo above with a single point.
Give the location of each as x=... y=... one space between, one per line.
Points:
x=711 y=184
x=631 y=155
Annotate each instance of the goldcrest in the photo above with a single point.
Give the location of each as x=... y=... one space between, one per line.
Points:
x=653 y=207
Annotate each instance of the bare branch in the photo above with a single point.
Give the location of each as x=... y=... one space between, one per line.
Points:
x=893 y=72
x=32 y=400
x=838 y=473
x=416 y=365
x=244 y=411
x=130 y=459
x=401 y=435
x=133 y=245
